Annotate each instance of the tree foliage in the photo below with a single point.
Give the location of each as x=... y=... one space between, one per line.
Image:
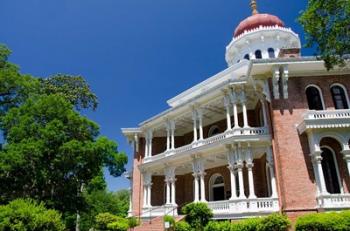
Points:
x=327 y=27
x=101 y=201
x=197 y=215
x=73 y=88
x=110 y=222
x=51 y=151
x=28 y=215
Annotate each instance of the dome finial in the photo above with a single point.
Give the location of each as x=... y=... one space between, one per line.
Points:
x=254 y=7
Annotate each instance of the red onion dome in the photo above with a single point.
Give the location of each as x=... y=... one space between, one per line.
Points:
x=257 y=20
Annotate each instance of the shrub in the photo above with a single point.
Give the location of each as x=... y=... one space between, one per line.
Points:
x=250 y=224
x=107 y=221
x=170 y=219
x=324 y=221
x=26 y=214
x=133 y=222
x=197 y=215
x=218 y=226
x=274 y=222
x=182 y=226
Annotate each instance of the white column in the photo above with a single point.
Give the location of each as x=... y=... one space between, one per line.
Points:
x=245 y=116
x=202 y=187
x=234 y=107
x=172 y=124
x=150 y=137
x=167 y=136
x=318 y=164
x=173 y=195
x=228 y=116
x=346 y=156
x=144 y=196
x=167 y=192
x=264 y=112
x=146 y=145
x=250 y=166
x=240 y=180
x=233 y=183
x=272 y=173
x=200 y=118
x=149 y=195
x=194 y=117
x=196 y=188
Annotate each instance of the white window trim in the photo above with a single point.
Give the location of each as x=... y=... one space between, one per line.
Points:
x=319 y=91
x=335 y=160
x=344 y=89
x=212 y=186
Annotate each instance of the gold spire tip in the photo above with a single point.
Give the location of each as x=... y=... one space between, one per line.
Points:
x=254 y=7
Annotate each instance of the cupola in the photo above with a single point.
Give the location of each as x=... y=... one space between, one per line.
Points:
x=260 y=36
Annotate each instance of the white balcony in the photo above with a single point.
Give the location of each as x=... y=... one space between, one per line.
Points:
x=235 y=134
x=334 y=201
x=325 y=119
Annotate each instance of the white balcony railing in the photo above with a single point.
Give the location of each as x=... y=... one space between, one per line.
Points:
x=334 y=114
x=158 y=211
x=334 y=201
x=240 y=207
x=221 y=138
x=325 y=119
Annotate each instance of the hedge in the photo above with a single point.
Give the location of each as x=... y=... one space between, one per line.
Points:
x=324 y=222
x=182 y=226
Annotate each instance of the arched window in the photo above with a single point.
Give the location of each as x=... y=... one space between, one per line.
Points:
x=214 y=130
x=258 y=54
x=247 y=57
x=330 y=170
x=314 y=98
x=217 y=188
x=271 y=52
x=339 y=97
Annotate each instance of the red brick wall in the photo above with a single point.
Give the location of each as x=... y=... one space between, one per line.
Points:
x=295 y=177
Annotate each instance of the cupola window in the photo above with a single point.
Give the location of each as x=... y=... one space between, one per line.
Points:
x=247 y=57
x=339 y=97
x=271 y=52
x=258 y=54
x=314 y=98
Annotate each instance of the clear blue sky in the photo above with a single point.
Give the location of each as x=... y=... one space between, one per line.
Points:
x=135 y=54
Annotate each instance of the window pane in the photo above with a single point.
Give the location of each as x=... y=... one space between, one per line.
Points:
x=339 y=98
x=314 y=98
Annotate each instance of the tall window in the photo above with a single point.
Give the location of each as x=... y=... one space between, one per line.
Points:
x=214 y=130
x=329 y=171
x=258 y=54
x=217 y=188
x=339 y=97
x=314 y=99
x=247 y=57
x=271 y=52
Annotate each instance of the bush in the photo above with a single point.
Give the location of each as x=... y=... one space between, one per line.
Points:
x=182 y=226
x=107 y=221
x=324 y=222
x=218 y=226
x=197 y=215
x=133 y=222
x=170 y=219
x=26 y=214
x=250 y=224
x=274 y=222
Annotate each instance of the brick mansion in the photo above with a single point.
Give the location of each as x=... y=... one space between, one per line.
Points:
x=268 y=134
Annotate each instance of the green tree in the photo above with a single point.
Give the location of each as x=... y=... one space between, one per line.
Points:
x=14 y=88
x=101 y=201
x=197 y=215
x=107 y=221
x=51 y=151
x=28 y=215
x=73 y=88
x=327 y=27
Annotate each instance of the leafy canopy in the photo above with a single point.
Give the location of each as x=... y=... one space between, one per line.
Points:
x=327 y=27
x=28 y=215
x=51 y=151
